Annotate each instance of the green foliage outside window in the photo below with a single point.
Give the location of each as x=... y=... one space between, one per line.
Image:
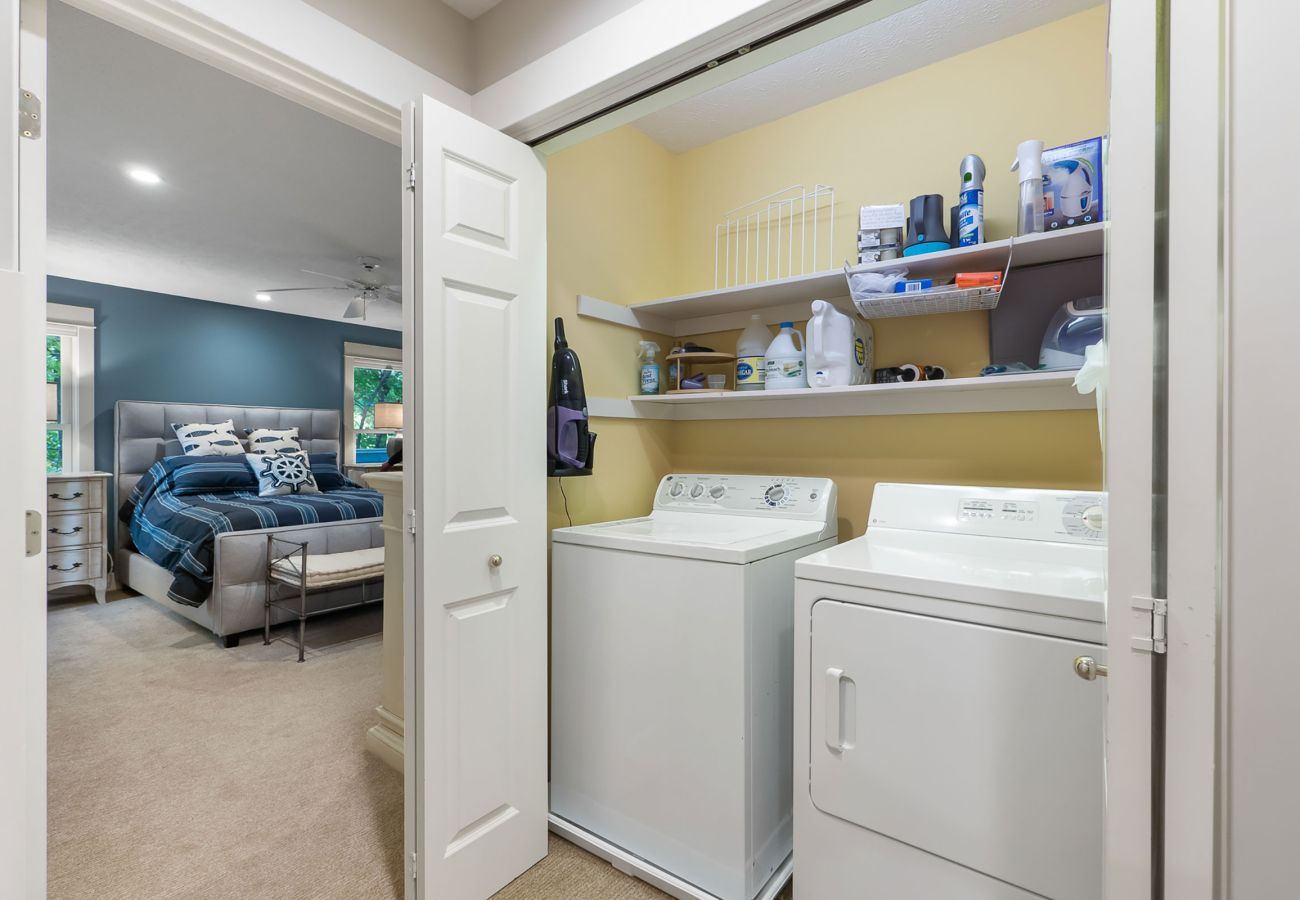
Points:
x=371 y=386
x=54 y=374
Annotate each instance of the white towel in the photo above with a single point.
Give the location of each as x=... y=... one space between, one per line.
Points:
x=331 y=569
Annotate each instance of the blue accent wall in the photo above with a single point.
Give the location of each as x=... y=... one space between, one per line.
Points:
x=158 y=347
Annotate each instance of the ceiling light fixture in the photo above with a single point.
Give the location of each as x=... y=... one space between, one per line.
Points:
x=357 y=308
x=264 y=298
x=143 y=175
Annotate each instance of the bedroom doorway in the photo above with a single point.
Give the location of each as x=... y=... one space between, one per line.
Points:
x=243 y=284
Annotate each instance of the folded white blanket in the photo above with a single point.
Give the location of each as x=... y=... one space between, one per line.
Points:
x=331 y=569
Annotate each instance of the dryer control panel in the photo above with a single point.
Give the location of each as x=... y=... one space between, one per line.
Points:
x=1073 y=517
x=784 y=496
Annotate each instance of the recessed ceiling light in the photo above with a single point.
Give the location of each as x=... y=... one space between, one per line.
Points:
x=265 y=298
x=143 y=175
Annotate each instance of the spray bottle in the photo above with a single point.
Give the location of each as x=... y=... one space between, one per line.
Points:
x=1029 y=162
x=970 y=213
x=646 y=351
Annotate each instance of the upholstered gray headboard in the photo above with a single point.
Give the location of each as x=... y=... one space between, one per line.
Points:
x=143 y=433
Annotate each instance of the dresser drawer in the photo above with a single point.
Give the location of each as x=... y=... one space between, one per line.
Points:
x=66 y=566
x=74 y=529
x=74 y=495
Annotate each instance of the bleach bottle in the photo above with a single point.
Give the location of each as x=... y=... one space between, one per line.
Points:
x=784 y=361
x=751 y=352
x=840 y=349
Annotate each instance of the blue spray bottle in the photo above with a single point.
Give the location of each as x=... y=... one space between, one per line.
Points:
x=970 y=213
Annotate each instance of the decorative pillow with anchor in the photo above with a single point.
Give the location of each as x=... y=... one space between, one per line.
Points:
x=279 y=474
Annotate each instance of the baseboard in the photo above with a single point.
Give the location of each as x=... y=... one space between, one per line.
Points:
x=385 y=739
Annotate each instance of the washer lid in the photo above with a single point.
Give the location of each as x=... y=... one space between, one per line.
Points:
x=730 y=539
x=1057 y=579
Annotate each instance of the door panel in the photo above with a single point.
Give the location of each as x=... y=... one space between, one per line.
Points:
x=976 y=744
x=478 y=449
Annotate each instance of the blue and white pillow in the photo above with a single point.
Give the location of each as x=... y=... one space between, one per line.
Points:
x=279 y=474
x=201 y=439
x=273 y=440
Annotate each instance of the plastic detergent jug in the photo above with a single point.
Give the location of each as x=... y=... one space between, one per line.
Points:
x=649 y=368
x=784 y=361
x=750 y=352
x=839 y=348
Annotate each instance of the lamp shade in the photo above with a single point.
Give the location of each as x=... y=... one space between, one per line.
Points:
x=388 y=415
x=51 y=401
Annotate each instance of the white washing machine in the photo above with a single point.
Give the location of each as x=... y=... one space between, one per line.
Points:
x=946 y=746
x=671 y=680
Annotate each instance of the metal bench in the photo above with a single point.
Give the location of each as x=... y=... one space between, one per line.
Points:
x=289 y=565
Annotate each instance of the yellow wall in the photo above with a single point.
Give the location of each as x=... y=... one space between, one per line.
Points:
x=630 y=221
x=610 y=219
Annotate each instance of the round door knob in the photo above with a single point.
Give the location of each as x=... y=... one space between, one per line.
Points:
x=1088 y=668
x=494 y=561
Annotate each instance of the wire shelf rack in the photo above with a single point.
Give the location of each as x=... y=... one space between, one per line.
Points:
x=785 y=233
x=943 y=299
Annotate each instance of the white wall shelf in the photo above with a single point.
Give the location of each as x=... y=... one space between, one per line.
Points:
x=1029 y=391
x=788 y=298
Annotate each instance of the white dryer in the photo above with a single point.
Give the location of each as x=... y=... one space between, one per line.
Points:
x=671 y=680
x=946 y=746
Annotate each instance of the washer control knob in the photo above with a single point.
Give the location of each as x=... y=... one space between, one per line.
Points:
x=1095 y=518
x=775 y=494
x=676 y=490
x=717 y=492
x=697 y=492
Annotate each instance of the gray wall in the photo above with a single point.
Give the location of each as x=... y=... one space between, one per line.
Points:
x=159 y=347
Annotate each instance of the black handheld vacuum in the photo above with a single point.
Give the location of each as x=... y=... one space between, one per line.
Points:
x=570 y=446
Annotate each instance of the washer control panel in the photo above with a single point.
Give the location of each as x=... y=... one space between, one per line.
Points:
x=787 y=496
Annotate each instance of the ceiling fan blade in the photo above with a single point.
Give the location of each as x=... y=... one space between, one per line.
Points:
x=392 y=296
x=327 y=275
x=329 y=287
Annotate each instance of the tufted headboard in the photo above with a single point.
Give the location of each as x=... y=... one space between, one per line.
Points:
x=143 y=433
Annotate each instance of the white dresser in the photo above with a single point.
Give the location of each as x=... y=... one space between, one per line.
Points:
x=76 y=525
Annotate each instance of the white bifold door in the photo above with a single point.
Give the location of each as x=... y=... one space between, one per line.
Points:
x=475 y=267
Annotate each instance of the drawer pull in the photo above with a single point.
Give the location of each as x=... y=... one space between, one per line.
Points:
x=61 y=497
x=71 y=568
x=75 y=530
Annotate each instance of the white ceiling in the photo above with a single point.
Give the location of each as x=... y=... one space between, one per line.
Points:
x=471 y=9
x=916 y=37
x=255 y=187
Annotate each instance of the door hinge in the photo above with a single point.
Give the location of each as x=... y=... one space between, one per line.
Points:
x=412 y=523
x=35 y=537
x=410 y=177
x=29 y=115
x=415 y=868
x=1156 y=639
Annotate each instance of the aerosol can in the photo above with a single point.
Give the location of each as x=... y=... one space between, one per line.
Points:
x=970 y=213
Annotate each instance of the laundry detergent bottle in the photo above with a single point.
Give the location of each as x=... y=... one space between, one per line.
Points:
x=839 y=348
x=784 y=361
x=751 y=352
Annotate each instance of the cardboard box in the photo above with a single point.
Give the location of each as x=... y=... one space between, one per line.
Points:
x=1072 y=184
x=888 y=215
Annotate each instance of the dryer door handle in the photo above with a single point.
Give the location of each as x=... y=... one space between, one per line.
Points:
x=840 y=710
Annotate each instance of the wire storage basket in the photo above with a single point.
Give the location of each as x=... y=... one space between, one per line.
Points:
x=941 y=299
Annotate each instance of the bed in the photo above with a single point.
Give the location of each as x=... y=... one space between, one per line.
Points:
x=144 y=436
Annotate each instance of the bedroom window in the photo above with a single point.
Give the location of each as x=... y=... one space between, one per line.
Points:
x=69 y=389
x=372 y=378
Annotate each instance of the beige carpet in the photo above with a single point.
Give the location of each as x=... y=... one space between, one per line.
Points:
x=179 y=769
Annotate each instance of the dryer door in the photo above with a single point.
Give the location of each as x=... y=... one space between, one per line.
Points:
x=977 y=744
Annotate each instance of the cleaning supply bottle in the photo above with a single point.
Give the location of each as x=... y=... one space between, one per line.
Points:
x=751 y=350
x=674 y=367
x=646 y=351
x=839 y=348
x=1029 y=162
x=784 y=361
x=970 y=213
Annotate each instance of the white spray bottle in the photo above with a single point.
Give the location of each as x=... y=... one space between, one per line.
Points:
x=646 y=351
x=1029 y=162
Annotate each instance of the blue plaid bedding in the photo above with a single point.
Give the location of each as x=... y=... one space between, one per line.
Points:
x=180 y=506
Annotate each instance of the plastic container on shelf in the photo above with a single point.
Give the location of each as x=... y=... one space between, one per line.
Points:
x=751 y=350
x=784 y=363
x=840 y=349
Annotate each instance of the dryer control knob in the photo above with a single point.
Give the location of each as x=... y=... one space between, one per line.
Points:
x=717 y=492
x=775 y=494
x=1095 y=518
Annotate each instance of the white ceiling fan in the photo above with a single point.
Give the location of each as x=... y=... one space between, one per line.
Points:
x=368 y=286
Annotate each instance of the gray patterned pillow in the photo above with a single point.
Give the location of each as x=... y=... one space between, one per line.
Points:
x=201 y=439
x=273 y=440
x=279 y=474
